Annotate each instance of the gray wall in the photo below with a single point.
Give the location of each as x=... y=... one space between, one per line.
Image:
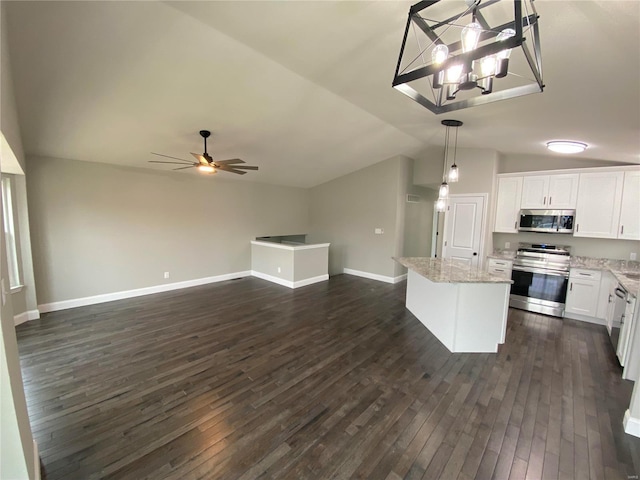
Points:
x=347 y=210
x=584 y=247
x=477 y=167
x=419 y=223
x=100 y=228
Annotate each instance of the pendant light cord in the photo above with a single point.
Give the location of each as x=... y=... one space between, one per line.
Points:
x=446 y=155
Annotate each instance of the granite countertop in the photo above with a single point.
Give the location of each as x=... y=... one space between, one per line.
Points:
x=503 y=255
x=449 y=271
x=621 y=269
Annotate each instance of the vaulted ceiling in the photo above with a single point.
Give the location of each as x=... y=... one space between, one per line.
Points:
x=301 y=89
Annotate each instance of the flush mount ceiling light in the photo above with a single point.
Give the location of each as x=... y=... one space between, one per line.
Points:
x=566 y=146
x=461 y=60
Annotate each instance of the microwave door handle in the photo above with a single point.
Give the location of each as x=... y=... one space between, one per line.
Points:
x=620 y=293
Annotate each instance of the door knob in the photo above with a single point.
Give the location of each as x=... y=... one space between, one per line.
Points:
x=475 y=253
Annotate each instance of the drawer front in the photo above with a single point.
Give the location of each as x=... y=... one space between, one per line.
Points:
x=579 y=273
x=495 y=263
x=500 y=271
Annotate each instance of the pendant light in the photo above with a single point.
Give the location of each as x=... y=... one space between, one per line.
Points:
x=452 y=175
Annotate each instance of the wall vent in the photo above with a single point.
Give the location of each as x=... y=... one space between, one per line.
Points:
x=413 y=198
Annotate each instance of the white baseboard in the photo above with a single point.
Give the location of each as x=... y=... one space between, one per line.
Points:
x=585 y=318
x=20 y=318
x=26 y=316
x=375 y=276
x=109 y=297
x=289 y=283
x=631 y=425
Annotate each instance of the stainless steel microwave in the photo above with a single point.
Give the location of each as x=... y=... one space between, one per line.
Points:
x=547 y=221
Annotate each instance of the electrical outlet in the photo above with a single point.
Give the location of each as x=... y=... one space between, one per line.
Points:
x=378 y=231
x=279 y=270
x=633 y=256
x=507 y=244
x=166 y=274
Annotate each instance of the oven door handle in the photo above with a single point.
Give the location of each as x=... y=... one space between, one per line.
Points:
x=542 y=271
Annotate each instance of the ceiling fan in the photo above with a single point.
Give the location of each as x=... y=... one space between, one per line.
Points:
x=206 y=163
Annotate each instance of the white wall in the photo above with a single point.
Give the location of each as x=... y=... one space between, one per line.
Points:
x=99 y=229
x=513 y=163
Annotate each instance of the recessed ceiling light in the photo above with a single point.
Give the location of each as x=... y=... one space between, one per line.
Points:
x=565 y=146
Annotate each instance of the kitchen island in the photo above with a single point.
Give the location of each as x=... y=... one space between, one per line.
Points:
x=464 y=307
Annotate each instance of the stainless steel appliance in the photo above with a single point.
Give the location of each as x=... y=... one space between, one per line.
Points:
x=540 y=277
x=546 y=221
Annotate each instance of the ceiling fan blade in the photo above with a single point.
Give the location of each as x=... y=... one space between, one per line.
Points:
x=173 y=163
x=244 y=167
x=228 y=162
x=168 y=156
x=233 y=170
x=200 y=158
x=182 y=168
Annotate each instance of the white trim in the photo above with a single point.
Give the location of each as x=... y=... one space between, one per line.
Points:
x=36 y=461
x=584 y=318
x=311 y=280
x=109 y=297
x=16 y=289
x=289 y=247
x=631 y=425
x=374 y=276
x=33 y=314
x=289 y=283
x=20 y=318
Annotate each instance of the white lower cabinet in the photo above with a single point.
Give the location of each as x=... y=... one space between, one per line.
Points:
x=499 y=267
x=583 y=293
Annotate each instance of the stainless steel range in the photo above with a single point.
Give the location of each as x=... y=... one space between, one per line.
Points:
x=540 y=278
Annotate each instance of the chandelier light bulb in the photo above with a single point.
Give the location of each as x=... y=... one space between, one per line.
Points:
x=206 y=168
x=488 y=66
x=470 y=36
x=502 y=36
x=444 y=191
x=453 y=174
x=439 y=54
x=441 y=205
x=566 y=146
x=453 y=74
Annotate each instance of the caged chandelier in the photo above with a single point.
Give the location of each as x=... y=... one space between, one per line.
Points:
x=466 y=56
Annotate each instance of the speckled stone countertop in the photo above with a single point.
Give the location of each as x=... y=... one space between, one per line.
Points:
x=503 y=255
x=621 y=269
x=448 y=271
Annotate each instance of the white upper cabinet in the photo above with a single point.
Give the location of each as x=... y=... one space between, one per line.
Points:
x=629 y=228
x=508 y=204
x=598 y=206
x=550 y=191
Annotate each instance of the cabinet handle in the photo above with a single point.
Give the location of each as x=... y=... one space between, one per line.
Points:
x=550 y=200
x=609 y=301
x=515 y=224
x=577 y=227
x=621 y=229
x=571 y=287
x=585 y=274
x=499 y=270
x=544 y=201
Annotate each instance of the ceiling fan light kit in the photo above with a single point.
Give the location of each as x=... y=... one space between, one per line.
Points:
x=465 y=59
x=205 y=163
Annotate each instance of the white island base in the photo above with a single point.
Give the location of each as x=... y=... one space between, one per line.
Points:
x=465 y=317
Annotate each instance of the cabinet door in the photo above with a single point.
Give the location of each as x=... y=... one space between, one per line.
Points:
x=534 y=191
x=563 y=191
x=582 y=297
x=508 y=204
x=630 y=209
x=598 y=206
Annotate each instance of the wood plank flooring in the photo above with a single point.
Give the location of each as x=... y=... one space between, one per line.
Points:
x=249 y=380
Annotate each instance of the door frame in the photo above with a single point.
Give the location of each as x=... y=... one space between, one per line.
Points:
x=483 y=221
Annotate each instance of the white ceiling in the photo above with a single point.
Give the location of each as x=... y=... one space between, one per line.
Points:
x=301 y=89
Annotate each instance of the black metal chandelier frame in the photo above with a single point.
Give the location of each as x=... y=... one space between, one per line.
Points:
x=441 y=103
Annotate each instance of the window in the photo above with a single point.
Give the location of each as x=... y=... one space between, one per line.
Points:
x=10 y=232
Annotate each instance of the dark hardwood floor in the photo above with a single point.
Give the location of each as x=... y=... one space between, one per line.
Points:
x=246 y=379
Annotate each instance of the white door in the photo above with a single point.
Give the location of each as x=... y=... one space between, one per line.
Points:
x=463 y=228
